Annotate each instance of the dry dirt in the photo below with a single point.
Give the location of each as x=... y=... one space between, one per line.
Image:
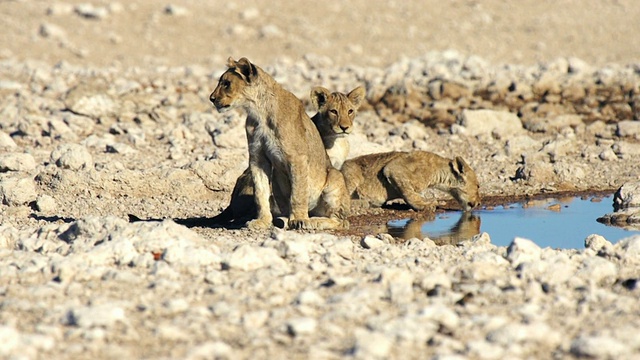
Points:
x=104 y=112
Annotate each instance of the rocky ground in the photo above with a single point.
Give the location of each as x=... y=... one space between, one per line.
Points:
x=104 y=113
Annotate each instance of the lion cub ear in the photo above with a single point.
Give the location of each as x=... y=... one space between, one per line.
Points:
x=244 y=68
x=319 y=97
x=457 y=167
x=356 y=96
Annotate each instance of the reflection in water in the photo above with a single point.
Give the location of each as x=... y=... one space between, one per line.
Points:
x=464 y=229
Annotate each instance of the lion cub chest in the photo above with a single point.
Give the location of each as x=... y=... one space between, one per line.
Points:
x=263 y=138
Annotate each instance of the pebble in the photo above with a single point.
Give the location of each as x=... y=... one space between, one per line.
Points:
x=17 y=162
x=301 y=326
x=16 y=191
x=601 y=347
x=72 y=157
x=488 y=122
x=522 y=250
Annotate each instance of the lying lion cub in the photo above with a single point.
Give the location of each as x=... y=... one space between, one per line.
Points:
x=334 y=121
x=378 y=178
x=285 y=151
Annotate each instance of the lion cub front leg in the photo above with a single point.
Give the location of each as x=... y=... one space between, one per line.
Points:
x=260 y=168
x=399 y=176
x=299 y=198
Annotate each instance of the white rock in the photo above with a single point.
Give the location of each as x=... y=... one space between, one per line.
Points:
x=249 y=258
x=601 y=347
x=522 y=250
x=72 y=156
x=52 y=31
x=16 y=191
x=10 y=340
x=371 y=242
x=105 y=315
x=596 y=269
x=6 y=141
x=596 y=242
x=301 y=326
x=629 y=247
x=628 y=128
x=211 y=350
x=627 y=195
x=90 y=11
x=17 y=162
x=488 y=122
x=441 y=314
x=398 y=284
x=371 y=344
x=176 y=10
x=608 y=155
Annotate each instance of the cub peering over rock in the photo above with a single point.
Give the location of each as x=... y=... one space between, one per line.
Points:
x=285 y=151
x=378 y=178
x=334 y=121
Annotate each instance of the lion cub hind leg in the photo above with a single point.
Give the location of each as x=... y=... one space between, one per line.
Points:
x=396 y=172
x=332 y=209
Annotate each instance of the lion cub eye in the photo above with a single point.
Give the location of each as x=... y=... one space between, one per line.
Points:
x=225 y=84
x=350 y=111
x=334 y=111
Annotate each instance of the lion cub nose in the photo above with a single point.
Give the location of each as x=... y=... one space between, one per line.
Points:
x=344 y=128
x=212 y=98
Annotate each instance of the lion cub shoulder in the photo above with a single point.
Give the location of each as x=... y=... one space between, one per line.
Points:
x=378 y=178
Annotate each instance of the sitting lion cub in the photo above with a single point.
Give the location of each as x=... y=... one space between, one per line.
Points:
x=378 y=178
x=285 y=151
x=334 y=121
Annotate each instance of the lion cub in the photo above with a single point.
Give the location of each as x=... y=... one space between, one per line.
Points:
x=378 y=178
x=334 y=121
x=285 y=151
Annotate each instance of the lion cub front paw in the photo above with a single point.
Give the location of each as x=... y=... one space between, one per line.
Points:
x=259 y=224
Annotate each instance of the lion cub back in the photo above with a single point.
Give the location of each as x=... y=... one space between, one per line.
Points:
x=378 y=178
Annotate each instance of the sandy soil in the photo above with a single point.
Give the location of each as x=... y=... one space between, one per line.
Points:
x=104 y=112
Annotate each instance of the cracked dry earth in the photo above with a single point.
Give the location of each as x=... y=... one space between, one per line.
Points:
x=89 y=136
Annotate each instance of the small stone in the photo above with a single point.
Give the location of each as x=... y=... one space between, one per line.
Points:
x=17 y=162
x=6 y=141
x=608 y=155
x=596 y=242
x=371 y=344
x=301 y=326
x=601 y=347
x=628 y=128
x=627 y=196
x=249 y=258
x=46 y=204
x=371 y=242
x=17 y=192
x=488 y=122
x=522 y=250
x=106 y=315
x=176 y=10
x=52 y=31
x=72 y=156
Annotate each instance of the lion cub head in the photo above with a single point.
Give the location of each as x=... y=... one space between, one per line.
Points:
x=336 y=110
x=230 y=91
x=467 y=189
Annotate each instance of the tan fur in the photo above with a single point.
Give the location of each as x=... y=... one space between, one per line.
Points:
x=464 y=229
x=378 y=178
x=286 y=152
x=334 y=121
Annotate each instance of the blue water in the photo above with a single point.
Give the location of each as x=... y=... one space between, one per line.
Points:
x=565 y=228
